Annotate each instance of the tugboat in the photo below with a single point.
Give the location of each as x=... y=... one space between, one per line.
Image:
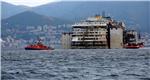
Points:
x=132 y=40
x=132 y=46
x=38 y=46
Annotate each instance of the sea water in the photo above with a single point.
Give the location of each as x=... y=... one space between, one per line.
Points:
x=76 y=64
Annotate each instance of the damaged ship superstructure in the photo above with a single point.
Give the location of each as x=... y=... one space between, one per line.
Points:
x=94 y=33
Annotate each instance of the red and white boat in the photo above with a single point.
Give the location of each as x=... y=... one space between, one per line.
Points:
x=134 y=45
x=38 y=46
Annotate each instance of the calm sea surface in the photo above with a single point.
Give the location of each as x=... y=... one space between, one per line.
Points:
x=85 y=64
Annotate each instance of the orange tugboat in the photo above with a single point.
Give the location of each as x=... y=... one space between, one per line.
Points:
x=38 y=46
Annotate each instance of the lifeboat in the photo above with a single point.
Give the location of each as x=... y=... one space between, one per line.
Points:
x=38 y=46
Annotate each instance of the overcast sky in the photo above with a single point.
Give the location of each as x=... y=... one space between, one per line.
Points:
x=33 y=3
x=30 y=3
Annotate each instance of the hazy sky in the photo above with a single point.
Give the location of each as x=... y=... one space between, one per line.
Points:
x=30 y=3
x=33 y=3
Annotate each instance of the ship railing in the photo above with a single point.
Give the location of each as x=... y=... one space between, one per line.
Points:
x=90 y=24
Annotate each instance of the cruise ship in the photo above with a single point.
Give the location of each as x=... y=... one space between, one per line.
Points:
x=96 y=32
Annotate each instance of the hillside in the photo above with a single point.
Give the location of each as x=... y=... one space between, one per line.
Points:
x=30 y=18
x=133 y=13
